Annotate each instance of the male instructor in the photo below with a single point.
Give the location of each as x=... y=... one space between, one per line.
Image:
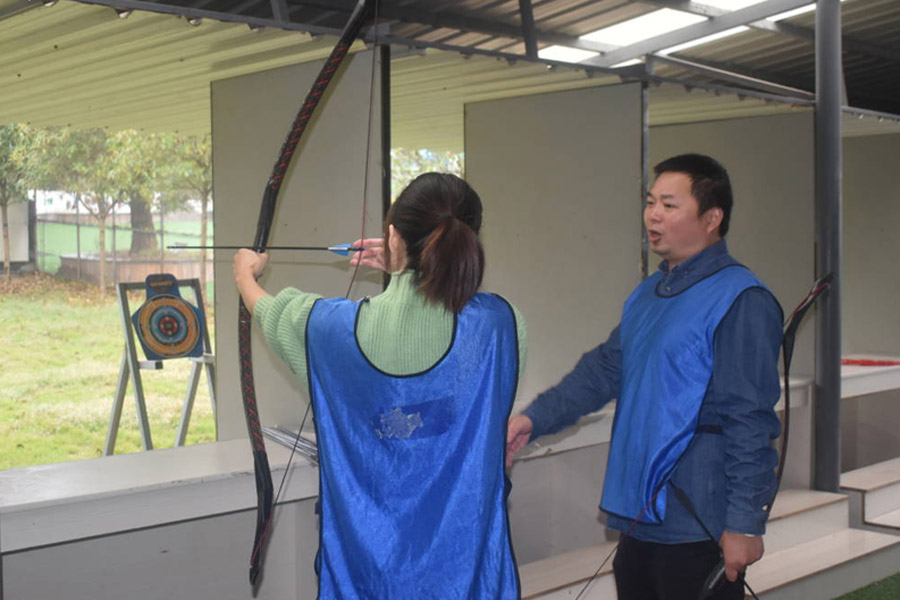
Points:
x=693 y=364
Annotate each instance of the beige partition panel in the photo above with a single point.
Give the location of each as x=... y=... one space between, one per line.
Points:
x=770 y=162
x=870 y=425
x=871 y=321
x=321 y=204
x=560 y=178
x=559 y=175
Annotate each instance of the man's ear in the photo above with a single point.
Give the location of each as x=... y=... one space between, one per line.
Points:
x=713 y=218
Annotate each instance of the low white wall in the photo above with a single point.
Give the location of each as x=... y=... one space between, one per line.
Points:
x=174 y=523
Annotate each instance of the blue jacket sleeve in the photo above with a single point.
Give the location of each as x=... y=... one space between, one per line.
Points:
x=745 y=388
x=593 y=382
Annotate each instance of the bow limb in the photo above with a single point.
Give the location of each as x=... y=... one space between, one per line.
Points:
x=264 y=486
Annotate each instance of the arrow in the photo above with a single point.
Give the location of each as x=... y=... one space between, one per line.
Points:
x=342 y=249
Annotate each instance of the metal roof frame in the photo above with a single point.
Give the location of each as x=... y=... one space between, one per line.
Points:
x=520 y=40
x=510 y=31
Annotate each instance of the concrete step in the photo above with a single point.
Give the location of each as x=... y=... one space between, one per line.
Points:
x=807 y=535
x=874 y=490
x=823 y=568
x=888 y=519
x=803 y=515
x=564 y=575
x=826 y=567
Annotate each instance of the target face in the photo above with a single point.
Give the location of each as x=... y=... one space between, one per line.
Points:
x=168 y=326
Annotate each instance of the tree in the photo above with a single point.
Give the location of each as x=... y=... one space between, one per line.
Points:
x=152 y=168
x=191 y=173
x=89 y=164
x=138 y=184
x=13 y=138
x=406 y=165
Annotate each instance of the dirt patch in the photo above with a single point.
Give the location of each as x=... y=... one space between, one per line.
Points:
x=41 y=286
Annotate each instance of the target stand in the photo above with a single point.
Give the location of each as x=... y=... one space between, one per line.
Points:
x=167 y=327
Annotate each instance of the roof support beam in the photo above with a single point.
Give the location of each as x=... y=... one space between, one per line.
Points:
x=528 y=28
x=698 y=30
x=18 y=7
x=806 y=34
x=280 y=10
x=190 y=12
x=460 y=22
x=731 y=76
x=386 y=11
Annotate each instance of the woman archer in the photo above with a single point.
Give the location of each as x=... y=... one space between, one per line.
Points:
x=410 y=391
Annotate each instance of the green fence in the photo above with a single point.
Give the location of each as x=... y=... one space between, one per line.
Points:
x=64 y=235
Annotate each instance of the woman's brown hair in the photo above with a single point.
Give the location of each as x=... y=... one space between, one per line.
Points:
x=438 y=215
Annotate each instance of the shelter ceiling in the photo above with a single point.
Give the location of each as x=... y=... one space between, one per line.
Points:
x=81 y=64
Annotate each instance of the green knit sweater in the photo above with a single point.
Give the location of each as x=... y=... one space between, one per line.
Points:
x=400 y=331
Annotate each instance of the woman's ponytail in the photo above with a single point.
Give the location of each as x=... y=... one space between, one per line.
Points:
x=451 y=265
x=438 y=216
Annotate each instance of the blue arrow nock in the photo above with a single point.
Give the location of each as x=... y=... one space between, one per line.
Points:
x=343 y=249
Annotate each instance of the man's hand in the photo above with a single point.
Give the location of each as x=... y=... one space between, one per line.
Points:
x=518 y=432
x=739 y=551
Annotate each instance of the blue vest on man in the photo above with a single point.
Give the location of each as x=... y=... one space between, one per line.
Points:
x=411 y=468
x=667 y=361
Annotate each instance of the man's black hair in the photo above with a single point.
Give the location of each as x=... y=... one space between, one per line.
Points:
x=710 y=184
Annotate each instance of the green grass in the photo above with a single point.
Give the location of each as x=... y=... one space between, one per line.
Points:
x=886 y=589
x=58 y=370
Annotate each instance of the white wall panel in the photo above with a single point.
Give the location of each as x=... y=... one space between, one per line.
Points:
x=559 y=175
x=871 y=217
x=320 y=205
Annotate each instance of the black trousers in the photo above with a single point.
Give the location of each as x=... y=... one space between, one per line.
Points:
x=650 y=571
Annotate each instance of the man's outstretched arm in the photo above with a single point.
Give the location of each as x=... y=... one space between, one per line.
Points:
x=593 y=382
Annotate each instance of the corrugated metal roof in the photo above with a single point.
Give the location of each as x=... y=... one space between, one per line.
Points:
x=81 y=64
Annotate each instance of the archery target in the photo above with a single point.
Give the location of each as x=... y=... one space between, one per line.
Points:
x=168 y=326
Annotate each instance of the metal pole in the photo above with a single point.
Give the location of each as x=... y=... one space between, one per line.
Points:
x=528 y=32
x=78 y=233
x=385 y=128
x=827 y=454
x=385 y=50
x=32 y=229
x=162 y=238
x=114 y=255
x=645 y=172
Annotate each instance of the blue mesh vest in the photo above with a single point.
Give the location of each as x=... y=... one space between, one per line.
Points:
x=411 y=472
x=667 y=360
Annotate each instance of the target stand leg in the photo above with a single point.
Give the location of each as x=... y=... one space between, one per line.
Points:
x=181 y=434
x=115 y=415
x=199 y=364
x=210 y=368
